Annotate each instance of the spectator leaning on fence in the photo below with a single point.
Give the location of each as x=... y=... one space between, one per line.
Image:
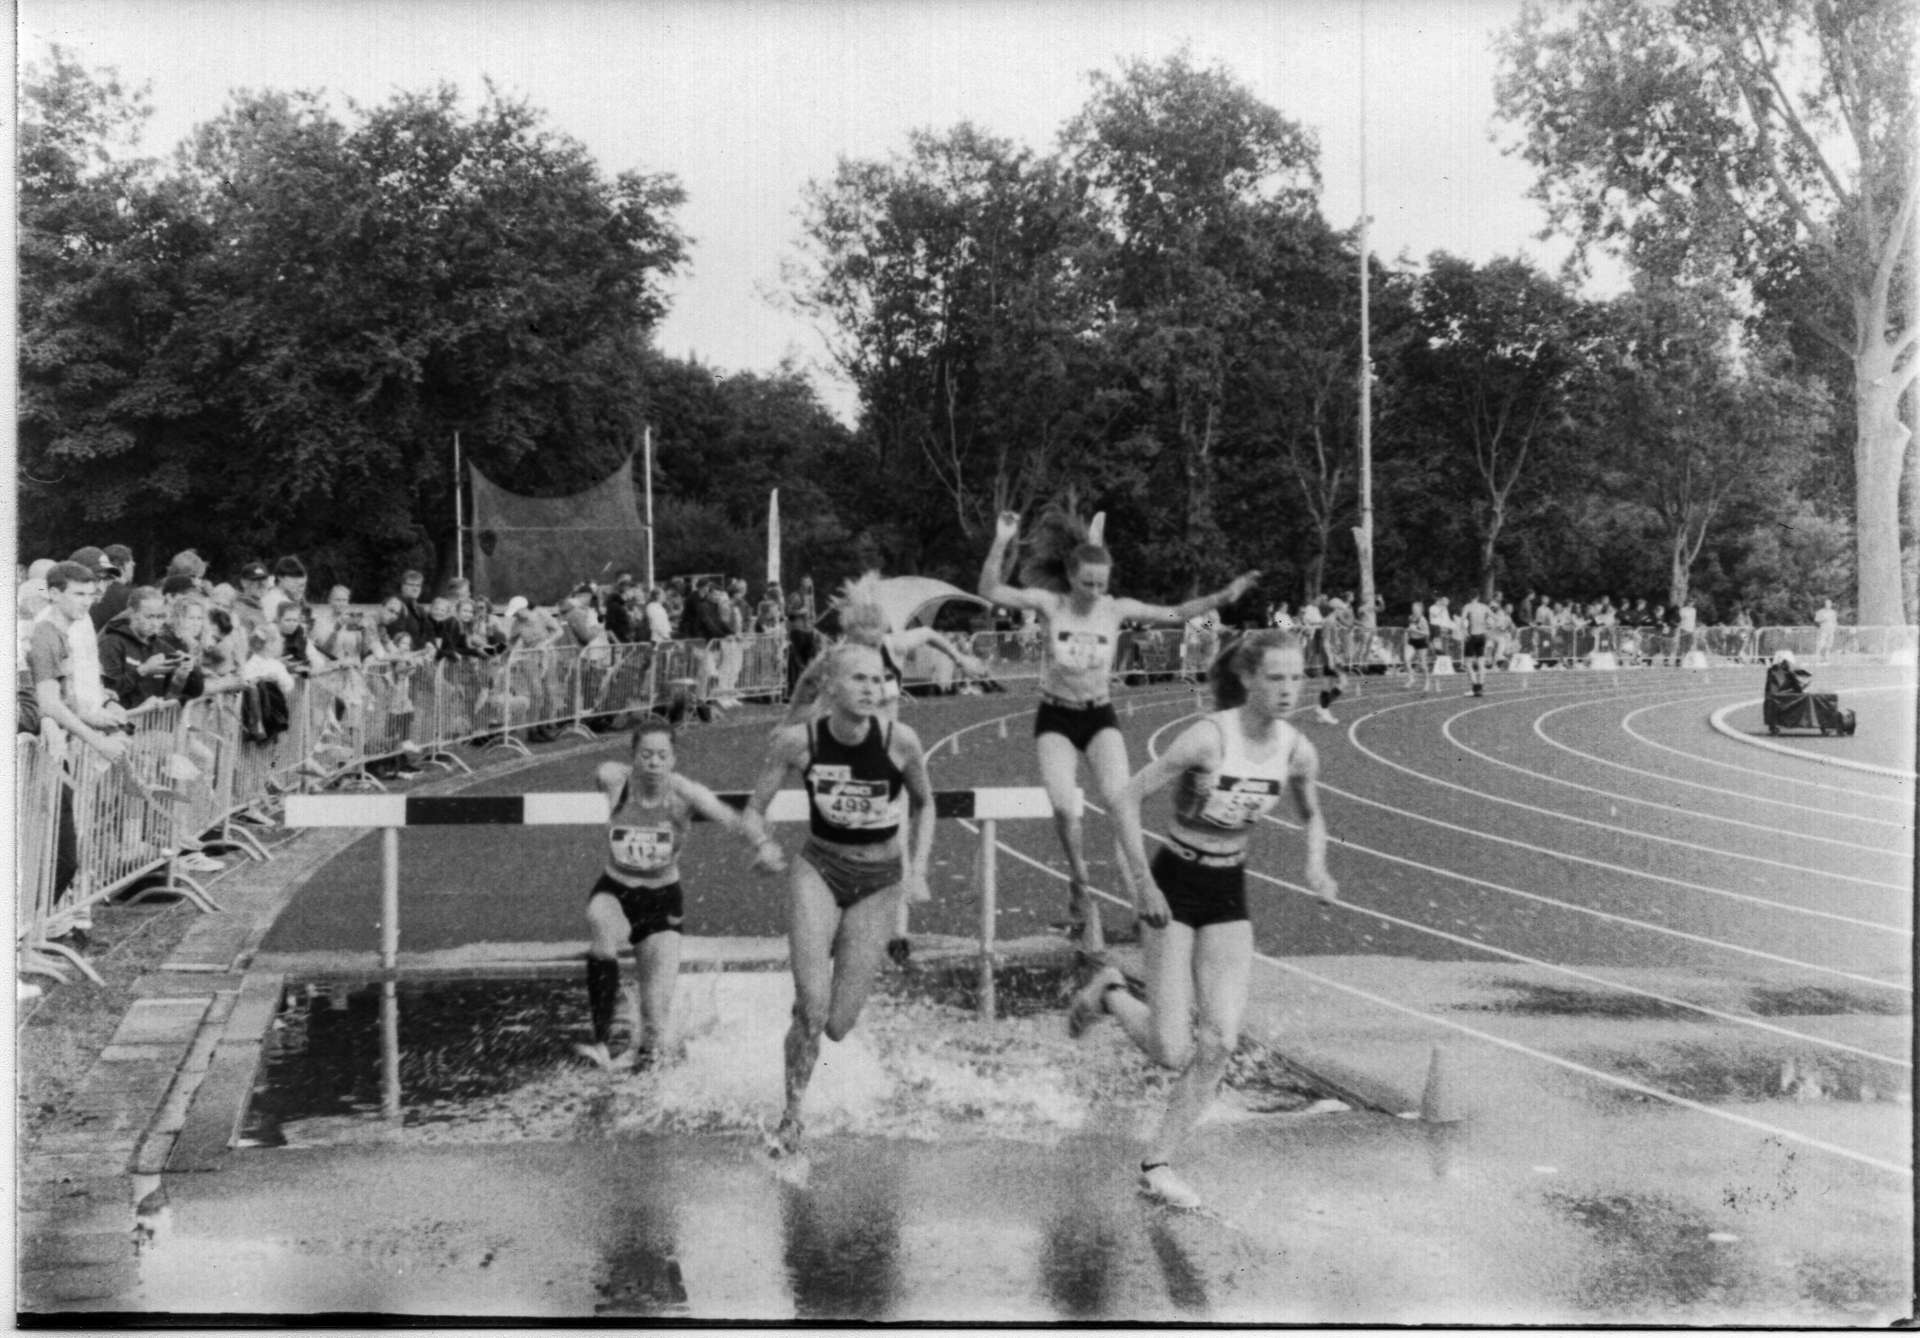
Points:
x=135 y=667
x=289 y=586
x=70 y=593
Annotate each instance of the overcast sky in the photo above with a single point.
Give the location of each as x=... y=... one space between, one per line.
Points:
x=747 y=100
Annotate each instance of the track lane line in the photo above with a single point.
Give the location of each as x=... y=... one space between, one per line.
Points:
x=1579 y=859
x=1747 y=796
x=1626 y=725
x=1446 y=731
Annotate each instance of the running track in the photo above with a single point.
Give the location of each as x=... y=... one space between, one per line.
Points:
x=1588 y=824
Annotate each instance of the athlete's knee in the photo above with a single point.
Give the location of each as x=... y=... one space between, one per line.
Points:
x=839 y=1028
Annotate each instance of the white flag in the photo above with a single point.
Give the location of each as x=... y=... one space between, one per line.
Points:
x=773 y=538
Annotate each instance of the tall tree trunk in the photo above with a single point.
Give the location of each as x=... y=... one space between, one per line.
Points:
x=1495 y=521
x=1678 y=569
x=1879 y=457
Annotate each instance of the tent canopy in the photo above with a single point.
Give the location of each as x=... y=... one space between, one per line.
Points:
x=908 y=599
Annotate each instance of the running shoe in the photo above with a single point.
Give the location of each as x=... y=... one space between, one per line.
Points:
x=595 y=1054
x=1159 y=1182
x=785 y=1140
x=1324 y=716
x=1090 y=1003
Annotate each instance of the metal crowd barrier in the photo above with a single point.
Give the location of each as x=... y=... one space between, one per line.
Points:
x=191 y=770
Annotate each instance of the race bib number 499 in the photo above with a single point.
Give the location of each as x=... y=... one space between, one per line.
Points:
x=855 y=804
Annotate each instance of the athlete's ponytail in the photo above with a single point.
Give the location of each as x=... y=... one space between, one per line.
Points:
x=1060 y=544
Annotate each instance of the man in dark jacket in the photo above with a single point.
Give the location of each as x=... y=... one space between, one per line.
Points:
x=135 y=665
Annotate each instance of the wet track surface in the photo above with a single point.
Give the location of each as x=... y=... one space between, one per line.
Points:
x=1674 y=970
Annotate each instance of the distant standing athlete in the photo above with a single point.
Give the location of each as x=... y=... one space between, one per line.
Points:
x=1068 y=590
x=1473 y=624
x=638 y=894
x=1230 y=769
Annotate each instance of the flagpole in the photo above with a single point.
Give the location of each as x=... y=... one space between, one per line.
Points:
x=1363 y=535
x=459 y=517
x=646 y=439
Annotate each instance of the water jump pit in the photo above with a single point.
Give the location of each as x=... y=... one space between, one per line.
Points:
x=493 y=1061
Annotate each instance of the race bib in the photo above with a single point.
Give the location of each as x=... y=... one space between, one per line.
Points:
x=1082 y=650
x=641 y=849
x=855 y=804
x=1236 y=803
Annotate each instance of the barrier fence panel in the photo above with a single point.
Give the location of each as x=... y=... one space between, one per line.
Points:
x=189 y=770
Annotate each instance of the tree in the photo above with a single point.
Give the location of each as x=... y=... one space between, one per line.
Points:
x=1687 y=420
x=1776 y=135
x=1491 y=357
x=97 y=232
x=944 y=279
x=1195 y=183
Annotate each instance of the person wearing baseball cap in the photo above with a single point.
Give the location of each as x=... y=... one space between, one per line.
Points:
x=249 y=610
x=114 y=592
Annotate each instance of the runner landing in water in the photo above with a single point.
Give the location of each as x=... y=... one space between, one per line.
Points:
x=638 y=894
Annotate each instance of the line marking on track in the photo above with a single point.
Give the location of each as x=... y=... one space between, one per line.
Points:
x=1747 y=796
x=1573 y=1066
x=1446 y=731
x=1719 y=722
x=1626 y=725
x=1530 y=1052
x=1352 y=735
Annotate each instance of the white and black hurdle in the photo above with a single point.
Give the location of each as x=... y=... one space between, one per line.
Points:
x=988 y=807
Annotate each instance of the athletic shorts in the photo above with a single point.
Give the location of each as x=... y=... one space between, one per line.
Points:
x=1476 y=647
x=1416 y=643
x=1199 y=895
x=851 y=881
x=1076 y=724
x=649 y=910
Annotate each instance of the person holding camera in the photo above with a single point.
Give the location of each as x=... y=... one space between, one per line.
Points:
x=136 y=663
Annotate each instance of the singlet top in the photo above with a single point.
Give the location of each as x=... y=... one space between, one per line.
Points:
x=854 y=791
x=1230 y=798
x=1080 y=648
x=1417 y=626
x=645 y=837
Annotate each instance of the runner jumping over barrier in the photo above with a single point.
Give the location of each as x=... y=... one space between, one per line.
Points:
x=856 y=764
x=1231 y=768
x=1064 y=581
x=638 y=893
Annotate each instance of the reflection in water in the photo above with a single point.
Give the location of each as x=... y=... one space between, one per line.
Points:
x=1076 y=1266
x=1186 y=1285
x=390 y=1049
x=640 y=1273
x=843 y=1243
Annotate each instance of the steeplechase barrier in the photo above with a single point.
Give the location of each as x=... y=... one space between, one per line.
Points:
x=392 y=813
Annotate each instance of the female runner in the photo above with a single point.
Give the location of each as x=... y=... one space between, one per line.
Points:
x=1231 y=767
x=1066 y=586
x=862 y=621
x=638 y=894
x=856 y=763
